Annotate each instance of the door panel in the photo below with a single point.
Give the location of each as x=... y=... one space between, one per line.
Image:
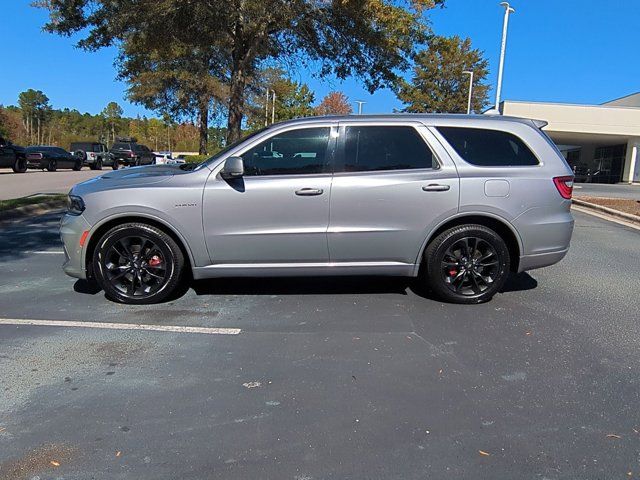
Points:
x=273 y=215
x=385 y=216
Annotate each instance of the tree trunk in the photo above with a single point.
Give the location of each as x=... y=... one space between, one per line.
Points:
x=203 y=114
x=236 y=105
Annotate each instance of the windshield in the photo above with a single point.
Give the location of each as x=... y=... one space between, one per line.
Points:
x=221 y=153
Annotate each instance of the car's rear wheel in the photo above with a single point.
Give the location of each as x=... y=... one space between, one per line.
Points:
x=115 y=165
x=138 y=264
x=467 y=264
x=98 y=164
x=78 y=165
x=52 y=166
x=20 y=165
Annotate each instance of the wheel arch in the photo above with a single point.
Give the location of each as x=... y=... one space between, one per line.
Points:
x=108 y=223
x=498 y=224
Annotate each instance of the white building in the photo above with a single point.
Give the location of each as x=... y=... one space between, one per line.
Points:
x=600 y=142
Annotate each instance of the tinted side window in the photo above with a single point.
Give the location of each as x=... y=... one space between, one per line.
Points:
x=294 y=152
x=488 y=148
x=385 y=148
x=121 y=146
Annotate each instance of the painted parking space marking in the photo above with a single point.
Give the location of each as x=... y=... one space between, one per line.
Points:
x=121 y=326
x=44 y=252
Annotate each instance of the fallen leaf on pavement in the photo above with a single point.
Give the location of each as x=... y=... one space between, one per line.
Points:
x=54 y=463
x=118 y=453
x=613 y=435
x=251 y=384
x=483 y=453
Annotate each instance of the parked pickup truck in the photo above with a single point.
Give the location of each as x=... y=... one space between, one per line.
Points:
x=12 y=156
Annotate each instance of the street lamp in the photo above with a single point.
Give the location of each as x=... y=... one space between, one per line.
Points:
x=508 y=10
x=470 y=73
x=360 y=103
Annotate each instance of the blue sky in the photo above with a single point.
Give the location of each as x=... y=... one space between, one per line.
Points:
x=576 y=51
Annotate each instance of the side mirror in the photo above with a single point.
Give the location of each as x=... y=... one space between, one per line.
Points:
x=233 y=168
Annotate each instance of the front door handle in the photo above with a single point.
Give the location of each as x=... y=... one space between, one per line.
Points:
x=434 y=187
x=309 y=192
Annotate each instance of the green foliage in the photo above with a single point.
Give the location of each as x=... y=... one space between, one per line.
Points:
x=62 y=127
x=438 y=84
x=36 y=111
x=369 y=39
x=196 y=158
x=293 y=99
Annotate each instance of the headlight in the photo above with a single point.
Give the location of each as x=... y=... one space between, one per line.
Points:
x=75 y=205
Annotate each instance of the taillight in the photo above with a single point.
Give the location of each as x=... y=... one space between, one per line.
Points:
x=564 y=186
x=131 y=154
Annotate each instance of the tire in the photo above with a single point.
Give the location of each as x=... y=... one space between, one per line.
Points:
x=130 y=248
x=77 y=166
x=467 y=264
x=98 y=164
x=20 y=165
x=115 y=165
x=136 y=163
x=52 y=166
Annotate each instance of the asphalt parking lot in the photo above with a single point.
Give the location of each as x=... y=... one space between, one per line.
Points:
x=346 y=378
x=14 y=185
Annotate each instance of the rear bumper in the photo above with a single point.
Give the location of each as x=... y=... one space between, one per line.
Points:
x=531 y=262
x=71 y=229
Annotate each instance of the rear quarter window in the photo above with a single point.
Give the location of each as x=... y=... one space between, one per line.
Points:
x=488 y=148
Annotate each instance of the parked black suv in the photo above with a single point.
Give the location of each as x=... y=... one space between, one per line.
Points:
x=12 y=156
x=94 y=154
x=128 y=152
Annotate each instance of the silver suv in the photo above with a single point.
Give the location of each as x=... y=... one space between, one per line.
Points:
x=458 y=201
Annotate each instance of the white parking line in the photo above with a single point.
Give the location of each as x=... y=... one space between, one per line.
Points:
x=121 y=326
x=44 y=252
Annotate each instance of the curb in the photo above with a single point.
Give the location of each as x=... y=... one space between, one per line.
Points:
x=34 y=209
x=609 y=211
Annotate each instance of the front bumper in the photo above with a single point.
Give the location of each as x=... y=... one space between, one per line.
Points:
x=71 y=229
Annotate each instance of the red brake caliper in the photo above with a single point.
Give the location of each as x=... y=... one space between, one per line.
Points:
x=452 y=272
x=155 y=261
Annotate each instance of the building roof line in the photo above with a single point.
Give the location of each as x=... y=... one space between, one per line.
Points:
x=621 y=98
x=584 y=105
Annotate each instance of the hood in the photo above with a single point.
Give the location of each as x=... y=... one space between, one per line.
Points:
x=131 y=177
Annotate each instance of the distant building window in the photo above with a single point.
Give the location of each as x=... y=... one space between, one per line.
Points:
x=488 y=148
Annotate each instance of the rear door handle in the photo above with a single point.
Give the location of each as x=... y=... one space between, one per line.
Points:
x=434 y=187
x=309 y=192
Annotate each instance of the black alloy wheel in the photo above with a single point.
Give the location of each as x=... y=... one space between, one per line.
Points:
x=52 y=166
x=138 y=264
x=467 y=264
x=78 y=165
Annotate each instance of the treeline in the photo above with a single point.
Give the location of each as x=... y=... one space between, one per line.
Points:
x=34 y=122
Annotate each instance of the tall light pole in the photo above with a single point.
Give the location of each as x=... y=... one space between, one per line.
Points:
x=266 y=108
x=508 y=10
x=273 y=109
x=470 y=73
x=360 y=103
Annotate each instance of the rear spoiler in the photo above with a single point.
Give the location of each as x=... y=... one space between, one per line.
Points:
x=540 y=123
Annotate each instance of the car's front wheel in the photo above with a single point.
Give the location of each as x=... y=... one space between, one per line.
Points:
x=467 y=264
x=52 y=166
x=20 y=165
x=138 y=264
x=78 y=165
